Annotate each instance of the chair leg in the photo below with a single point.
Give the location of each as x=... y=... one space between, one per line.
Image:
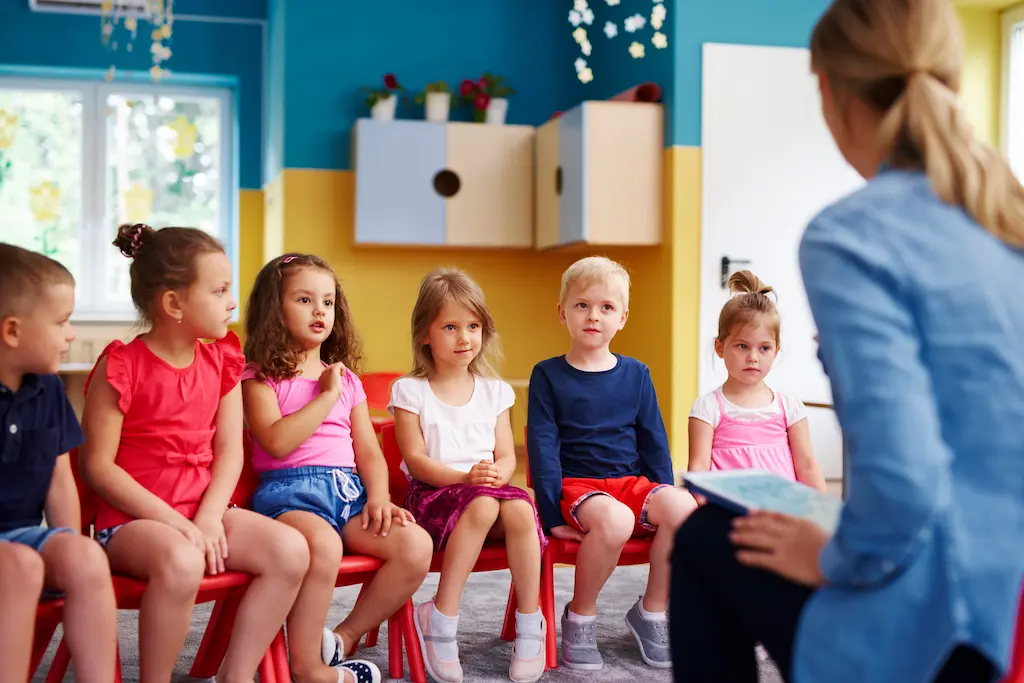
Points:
x=547 y=605
x=41 y=638
x=216 y=638
x=60 y=664
x=282 y=667
x=417 y=672
x=266 y=671
x=396 y=662
x=508 y=628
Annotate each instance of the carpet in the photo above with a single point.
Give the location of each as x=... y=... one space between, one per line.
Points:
x=484 y=655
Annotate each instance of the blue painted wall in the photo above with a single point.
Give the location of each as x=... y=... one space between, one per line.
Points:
x=230 y=45
x=779 y=23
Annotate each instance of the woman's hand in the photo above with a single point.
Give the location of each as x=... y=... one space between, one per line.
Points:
x=787 y=546
x=484 y=473
x=377 y=516
x=566 y=533
x=215 y=542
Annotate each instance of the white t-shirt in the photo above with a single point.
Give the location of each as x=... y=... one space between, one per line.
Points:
x=458 y=436
x=706 y=409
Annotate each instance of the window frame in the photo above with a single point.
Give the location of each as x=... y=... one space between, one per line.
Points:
x=1010 y=19
x=96 y=227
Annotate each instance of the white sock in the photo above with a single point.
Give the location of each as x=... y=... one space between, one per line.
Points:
x=579 y=618
x=529 y=624
x=649 y=616
x=446 y=627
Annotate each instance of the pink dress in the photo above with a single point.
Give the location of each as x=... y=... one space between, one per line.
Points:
x=753 y=445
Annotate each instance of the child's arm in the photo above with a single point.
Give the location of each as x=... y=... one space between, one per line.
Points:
x=504 y=449
x=651 y=439
x=279 y=435
x=62 y=506
x=101 y=423
x=544 y=451
x=806 y=467
x=373 y=470
x=701 y=435
x=414 y=451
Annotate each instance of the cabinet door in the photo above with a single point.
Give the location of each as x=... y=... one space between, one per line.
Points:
x=547 y=185
x=573 y=207
x=396 y=162
x=492 y=200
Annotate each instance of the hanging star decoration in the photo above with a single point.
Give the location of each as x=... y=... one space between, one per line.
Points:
x=158 y=13
x=582 y=15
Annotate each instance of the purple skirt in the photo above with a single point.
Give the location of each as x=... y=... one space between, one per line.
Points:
x=438 y=510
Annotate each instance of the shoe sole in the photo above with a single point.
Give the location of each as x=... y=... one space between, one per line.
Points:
x=580 y=666
x=640 y=644
x=423 y=649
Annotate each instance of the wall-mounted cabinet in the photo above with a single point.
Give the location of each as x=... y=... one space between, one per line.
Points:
x=599 y=176
x=454 y=184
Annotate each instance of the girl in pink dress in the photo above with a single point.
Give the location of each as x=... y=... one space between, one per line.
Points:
x=744 y=424
x=163 y=452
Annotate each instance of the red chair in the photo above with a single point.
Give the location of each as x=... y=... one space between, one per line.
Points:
x=636 y=551
x=49 y=615
x=377 y=386
x=1016 y=674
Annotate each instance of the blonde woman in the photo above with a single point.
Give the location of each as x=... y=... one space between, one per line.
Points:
x=913 y=283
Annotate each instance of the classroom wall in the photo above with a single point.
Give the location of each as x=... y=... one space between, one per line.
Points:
x=983 y=62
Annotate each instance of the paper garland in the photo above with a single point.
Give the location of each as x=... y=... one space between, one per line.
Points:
x=581 y=15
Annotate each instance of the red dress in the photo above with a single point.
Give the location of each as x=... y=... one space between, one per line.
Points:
x=169 y=419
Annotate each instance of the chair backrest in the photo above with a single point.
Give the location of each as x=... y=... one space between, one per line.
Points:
x=1016 y=674
x=377 y=386
x=398 y=485
x=86 y=496
x=526 y=458
x=249 y=479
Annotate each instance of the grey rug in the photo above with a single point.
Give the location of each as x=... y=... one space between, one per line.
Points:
x=484 y=655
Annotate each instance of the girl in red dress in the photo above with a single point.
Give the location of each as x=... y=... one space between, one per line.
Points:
x=163 y=451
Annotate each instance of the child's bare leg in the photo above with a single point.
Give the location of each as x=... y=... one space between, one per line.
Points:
x=173 y=567
x=278 y=558
x=668 y=508
x=406 y=552
x=21 y=583
x=609 y=525
x=78 y=566
x=519 y=528
x=309 y=612
x=462 y=552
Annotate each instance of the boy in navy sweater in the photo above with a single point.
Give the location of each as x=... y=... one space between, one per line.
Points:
x=37 y=429
x=600 y=462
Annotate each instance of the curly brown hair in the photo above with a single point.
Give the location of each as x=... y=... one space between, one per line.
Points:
x=268 y=343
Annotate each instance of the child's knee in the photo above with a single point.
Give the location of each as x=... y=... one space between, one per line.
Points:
x=289 y=555
x=614 y=524
x=21 y=568
x=89 y=568
x=482 y=511
x=179 y=570
x=670 y=507
x=516 y=512
x=419 y=550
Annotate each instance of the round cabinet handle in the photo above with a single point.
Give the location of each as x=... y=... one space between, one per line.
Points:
x=558 y=180
x=447 y=183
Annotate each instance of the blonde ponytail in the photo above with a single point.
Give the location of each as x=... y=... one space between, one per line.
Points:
x=904 y=58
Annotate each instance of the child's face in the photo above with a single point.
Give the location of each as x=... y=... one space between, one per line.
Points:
x=749 y=351
x=593 y=313
x=308 y=306
x=455 y=337
x=45 y=331
x=208 y=305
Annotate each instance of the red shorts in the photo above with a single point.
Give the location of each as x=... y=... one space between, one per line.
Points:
x=633 y=492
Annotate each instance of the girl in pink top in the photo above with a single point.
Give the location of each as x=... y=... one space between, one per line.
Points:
x=310 y=430
x=163 y=452
x=744 y=424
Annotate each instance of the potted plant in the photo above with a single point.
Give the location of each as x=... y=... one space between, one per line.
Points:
x=383 y=101
x=436 y=100
x=488 y=97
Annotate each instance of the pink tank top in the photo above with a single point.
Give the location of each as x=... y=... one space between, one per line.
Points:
x=747 y=445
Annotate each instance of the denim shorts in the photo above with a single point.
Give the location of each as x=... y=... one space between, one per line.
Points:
x=34 y=537
x=334 y=493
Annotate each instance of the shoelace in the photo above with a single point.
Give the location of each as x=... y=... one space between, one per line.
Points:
x=346 y=490
x=584 y=633
x=661 y=632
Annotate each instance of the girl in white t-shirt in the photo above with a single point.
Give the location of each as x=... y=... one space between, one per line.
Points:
x=452 y=424
x=744 y=424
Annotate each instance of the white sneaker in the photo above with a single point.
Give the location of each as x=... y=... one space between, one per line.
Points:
x=332 y=650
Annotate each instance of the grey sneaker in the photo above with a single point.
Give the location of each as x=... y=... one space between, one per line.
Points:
x=651 y=636
x=579 y=644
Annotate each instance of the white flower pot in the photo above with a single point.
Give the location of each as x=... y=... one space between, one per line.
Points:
x=438 y=106
x=384 y=109
x=496 y=111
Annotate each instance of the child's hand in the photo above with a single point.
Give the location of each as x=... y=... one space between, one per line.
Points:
x=484 y=473
x=330 y=378
x=215 y=543
x=377 y=516
x=188 y=530
x=566 y=533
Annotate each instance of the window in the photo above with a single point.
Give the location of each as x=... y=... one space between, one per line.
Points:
x=1013 y=89
x=79 y=158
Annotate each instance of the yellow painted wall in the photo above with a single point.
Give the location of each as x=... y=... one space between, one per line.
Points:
x=982 y=69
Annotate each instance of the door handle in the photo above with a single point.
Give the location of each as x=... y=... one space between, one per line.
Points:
x=726 y=263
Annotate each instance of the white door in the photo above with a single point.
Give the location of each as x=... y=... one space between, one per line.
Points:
x=769 y=165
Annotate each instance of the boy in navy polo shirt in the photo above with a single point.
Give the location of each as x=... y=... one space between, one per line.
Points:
x=37 y=429
x=600 y=462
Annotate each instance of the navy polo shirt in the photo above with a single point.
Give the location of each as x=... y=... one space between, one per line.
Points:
x=37 y=424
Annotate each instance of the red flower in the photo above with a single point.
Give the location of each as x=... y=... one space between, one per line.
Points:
x=484 y=82
x=481 y=101
x=390 y=82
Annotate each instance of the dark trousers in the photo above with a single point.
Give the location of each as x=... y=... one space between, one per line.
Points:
x=720 y=609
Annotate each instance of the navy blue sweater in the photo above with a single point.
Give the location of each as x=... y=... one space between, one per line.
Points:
x=592 y=425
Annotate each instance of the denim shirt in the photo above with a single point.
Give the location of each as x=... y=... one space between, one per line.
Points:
x=921 y=324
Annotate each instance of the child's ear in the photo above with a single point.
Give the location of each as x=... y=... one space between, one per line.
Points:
x=561 y=314
x=719 y=348
x=10 y=331
x=171 y=302
x=622 y=323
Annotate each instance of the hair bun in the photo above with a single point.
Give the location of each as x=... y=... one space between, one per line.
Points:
x=130 y=238
x=745 y=282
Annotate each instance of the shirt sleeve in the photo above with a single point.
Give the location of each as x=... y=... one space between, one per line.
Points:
x=406 y=394
x=706 y=409
x=544 y=450
x=232 y=362
x=651 y=438
x=506 y=397
x=795 y=409
x=352 y=389
x=899 y=464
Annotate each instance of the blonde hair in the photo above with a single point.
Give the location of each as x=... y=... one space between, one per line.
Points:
x=904 y=58
x=749 y=303
x=439 y=287
x=595 y=269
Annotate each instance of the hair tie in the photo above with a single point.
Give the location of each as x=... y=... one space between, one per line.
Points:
x=136 y=242
x=289 y=259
